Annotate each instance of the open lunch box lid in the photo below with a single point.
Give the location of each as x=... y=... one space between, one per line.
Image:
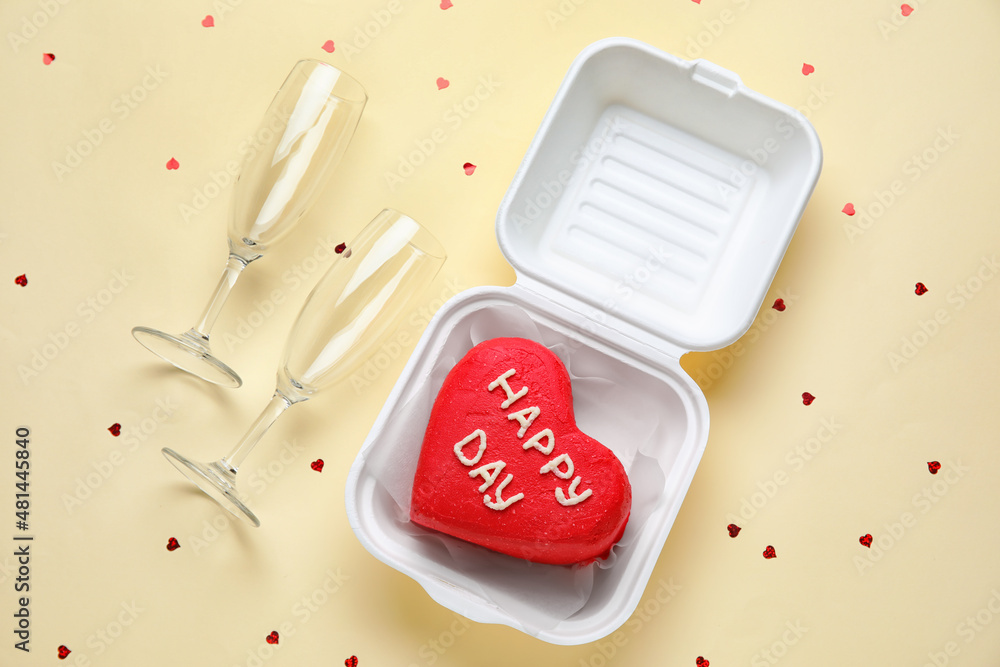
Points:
x=660 y=194
x=647 y=219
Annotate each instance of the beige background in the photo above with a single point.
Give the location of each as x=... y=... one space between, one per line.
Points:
x=109 y=244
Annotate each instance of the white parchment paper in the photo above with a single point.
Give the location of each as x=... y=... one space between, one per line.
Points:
x=626 y=409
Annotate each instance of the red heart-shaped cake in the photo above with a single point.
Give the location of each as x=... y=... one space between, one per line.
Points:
x=503 y=464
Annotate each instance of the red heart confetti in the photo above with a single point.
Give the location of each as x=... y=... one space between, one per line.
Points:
x=807 y=398
x=317 y=465
x=208 y=21
x=172 y=163
x=564 y=485
x=769 y=553
x=933 y=467
x=47 y=58
x=906 y=10
x=173 y=544
x=329 y=46
x=445 y=4
x=116 y=429
x=442 y=83
x=849 y=208
x=701 y=662
x=272 y=638
x=469 y=168
x=920 y=289
x=866 y=540
x=779 y=305
x=697 y=2
x=807 y=69
x=341 y=247
x=734 y=530
x=63 y=652
x=21 y=280
x=351 y=662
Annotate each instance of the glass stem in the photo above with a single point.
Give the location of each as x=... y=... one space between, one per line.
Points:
x=234 y=266
x=278 y=404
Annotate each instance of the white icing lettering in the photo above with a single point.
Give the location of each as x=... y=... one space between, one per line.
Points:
x=536 y=440
x=511 y=396
x=574 y=498
x=489 y=473
x=561 y=466
x=525 y=422
x=500 y=503
x=459 y=446
x=553 y=467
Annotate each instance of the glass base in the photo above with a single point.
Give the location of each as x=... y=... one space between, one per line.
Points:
x=188 y=353
x=216 y=480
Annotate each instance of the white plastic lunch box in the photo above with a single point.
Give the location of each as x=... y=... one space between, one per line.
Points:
x=647 y=219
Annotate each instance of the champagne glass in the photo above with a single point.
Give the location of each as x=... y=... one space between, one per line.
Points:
x=349 y=315
x=302 y=138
